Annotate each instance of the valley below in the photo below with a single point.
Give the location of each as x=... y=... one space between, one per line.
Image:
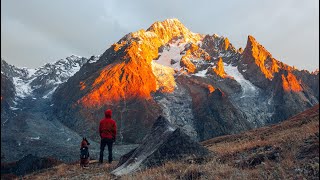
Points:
x=32 y=129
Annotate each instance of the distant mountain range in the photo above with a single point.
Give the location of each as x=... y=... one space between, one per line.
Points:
x=200 y=83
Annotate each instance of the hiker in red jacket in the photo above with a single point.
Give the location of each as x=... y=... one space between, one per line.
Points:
x=108 y=132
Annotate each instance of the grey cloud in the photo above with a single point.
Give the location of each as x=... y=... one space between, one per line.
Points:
x=289 y=29
x=66 y=28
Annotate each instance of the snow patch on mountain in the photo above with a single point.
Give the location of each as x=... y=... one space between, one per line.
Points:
x=63 y=68
x=14 y=108
x=171 y=56
x=94 y=59
x=201 y=73
x=35 y=138
x=49 y=93
x=248 y=89
x=252 y=102
x=48 y=76
x=165 y=77
x=23 y=88
x=31 y=72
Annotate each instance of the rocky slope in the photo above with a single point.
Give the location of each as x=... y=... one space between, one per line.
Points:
x=201 y=83
x=7 y=91
x=288 y=150
x=43 y=80
x=27 y=123
x=164 y=142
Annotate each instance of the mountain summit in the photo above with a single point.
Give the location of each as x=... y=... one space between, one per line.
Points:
x=170 y=28
x=169 y=70
x=200 y=83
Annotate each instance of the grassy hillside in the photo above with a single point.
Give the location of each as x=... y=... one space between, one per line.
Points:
x=289 y=150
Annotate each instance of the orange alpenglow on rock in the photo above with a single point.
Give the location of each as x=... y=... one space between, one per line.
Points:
x=219 y=69
x=211 y=88
x=290 y=83
x=145 y=44
x=165 y=77
x=226 y=43
x=187 y=64
x=260 y=54
x=240 y=50
x=131 y=75
x=170 y=28
x=274 y=67
x=82 y=85
x=120 y=82
x=192 y=51
x=192 y=48
x=262 y=57
x=118 y=46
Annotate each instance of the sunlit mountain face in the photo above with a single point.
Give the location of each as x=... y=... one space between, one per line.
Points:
x=200 y=83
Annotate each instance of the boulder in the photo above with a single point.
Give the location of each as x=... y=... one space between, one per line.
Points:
x=28 y=164
x=165 y=142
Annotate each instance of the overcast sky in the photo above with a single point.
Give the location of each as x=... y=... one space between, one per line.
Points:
x=34 y=32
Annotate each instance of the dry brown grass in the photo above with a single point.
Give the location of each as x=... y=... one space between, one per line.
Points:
x=231 y=153
x=74 y=171
x=288 y=136
x=250 y=140
x=209 y=170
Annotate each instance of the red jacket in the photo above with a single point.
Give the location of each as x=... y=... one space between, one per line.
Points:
x=108 y=127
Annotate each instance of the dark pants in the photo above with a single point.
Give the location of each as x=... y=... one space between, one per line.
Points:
x=104 y=142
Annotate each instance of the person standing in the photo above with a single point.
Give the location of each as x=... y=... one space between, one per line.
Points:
x=108 y=132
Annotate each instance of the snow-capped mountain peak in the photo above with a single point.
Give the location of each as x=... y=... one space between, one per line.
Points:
x=45 y=79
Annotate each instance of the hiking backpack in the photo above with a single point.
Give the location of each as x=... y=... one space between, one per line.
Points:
x=84 y=153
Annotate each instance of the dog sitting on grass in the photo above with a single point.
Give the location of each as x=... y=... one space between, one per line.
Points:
x=84 y=153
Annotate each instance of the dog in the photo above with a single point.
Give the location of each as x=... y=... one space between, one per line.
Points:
x=84 y=153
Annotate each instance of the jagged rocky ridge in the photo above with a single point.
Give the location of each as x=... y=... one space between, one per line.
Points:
x=201 y=83
x=43 y=80
x=27 y=122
